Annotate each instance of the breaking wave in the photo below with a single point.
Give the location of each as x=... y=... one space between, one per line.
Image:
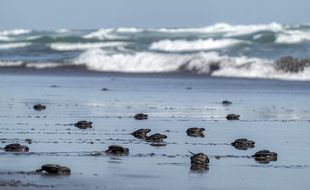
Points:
x=103 y=34
x=210 y=63
x=293 y=37
x=222 y=50
x=14 y=45
x=185 y=45
x=83 y=46
x=14 y=32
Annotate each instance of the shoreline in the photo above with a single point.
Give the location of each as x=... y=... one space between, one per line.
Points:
x=82 y=71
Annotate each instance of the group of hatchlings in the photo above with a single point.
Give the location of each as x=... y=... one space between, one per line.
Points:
x=199 y=161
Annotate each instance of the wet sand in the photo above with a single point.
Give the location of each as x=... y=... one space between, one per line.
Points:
x=275 y=114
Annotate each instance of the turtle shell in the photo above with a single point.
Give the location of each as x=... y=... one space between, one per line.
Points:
x=141 y=133
x=140 y=116
x=199 y=158
x=55 y=169
x=83 y=124
x=157 y=137
x=116 y=149
x=15 y=147
x=232 y=117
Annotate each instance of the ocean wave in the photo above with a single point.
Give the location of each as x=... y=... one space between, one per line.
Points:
x=104 y=34
x=129 y=30
x=14 y=32
x=5 y=38
x=14 y=45
x=44 y=65
x=40 y=65
x=227 y=29
x=83 y=46
x=10 y=63
x=185 y=45
x=210 y=63
x=99 y=60
x=62 y=30
x=293 y=37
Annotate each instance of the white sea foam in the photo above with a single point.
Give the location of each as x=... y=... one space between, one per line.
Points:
x=292 y=37
x=103 y=34
x=5 y=38
x=201 y=63
x=10 y=63
x=14 y=45
x=185 y=45
x=99 y=60
x=83 y=46
x=129 y=30
x=62 y=30
x=227 y=29
x=44 y=65
x=14 y=32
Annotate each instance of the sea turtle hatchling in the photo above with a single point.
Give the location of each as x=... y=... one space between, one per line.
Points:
x=117 y=150
x=157 y=137
x=39 y=107
x=199 y=162
x=265 y=156
x=55 y=169
x=83 y=124
x=15 y=147
x=195 y=132
x=140 y=116
x=232 y=117
x=199 y=158
x=141 y=133
x=243 y=144
x=226 y=102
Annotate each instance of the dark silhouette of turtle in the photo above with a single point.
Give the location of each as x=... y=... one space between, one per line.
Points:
x=141 y=133
x=39 y=107
x=157 y=137
x=117 y=150
x=199 y=162
x=243 y=144
x=83 y=124
x=226 y=103
x=104 y=89
x=195 y=132
x=265 y=156
x=55 y=169
x=199 y=158
x=232 y=117
x=140 y=116
x=16 y=148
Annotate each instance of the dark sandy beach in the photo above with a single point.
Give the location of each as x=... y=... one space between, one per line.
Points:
x=275 y=114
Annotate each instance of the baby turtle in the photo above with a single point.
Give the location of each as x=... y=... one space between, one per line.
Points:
x=232 y=117
x=55 y=169
x=117 y=150
x=140 y=116
x=265 y=156
x=157 y=137
x=141 y=133
x=39 y=107
x=226 y=103
x=195 y=132
x=199 y=162
x=83 y=124
x=199 y=158
x=243 y=144
x=16 y=148
x=104 y=89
